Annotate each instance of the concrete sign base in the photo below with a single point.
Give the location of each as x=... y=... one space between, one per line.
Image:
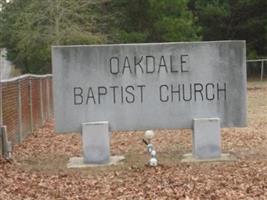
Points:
x=78 y=162
x=206 y=140
x=96 y=142
x=224 y=157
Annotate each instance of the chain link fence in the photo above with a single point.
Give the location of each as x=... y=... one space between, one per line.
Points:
x=25 y=104
x=256 y=69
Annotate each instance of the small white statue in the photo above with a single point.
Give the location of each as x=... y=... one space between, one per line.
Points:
x=149 y=134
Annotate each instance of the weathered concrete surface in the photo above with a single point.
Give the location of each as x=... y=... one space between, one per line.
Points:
x=149 y=86
x=206 y=139
x=96 y=142
x=78 y=162
x=224 y=157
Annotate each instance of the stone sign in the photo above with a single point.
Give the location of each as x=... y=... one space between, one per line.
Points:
x=149 y=86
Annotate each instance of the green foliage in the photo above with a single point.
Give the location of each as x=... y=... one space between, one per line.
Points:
x=153 y=21
x=234 y=19
x=172 y=21
x=29 y=28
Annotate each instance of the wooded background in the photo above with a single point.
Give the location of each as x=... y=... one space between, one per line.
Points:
x=28 y=28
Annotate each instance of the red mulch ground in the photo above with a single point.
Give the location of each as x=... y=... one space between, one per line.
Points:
x=38 y=169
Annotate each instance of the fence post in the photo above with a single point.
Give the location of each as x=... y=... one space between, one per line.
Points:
x=51 y=95
x=262 y=69
x=1 y=113
x=48 y=97
x=1 y=119
x=41 y=101
x=1 y=64
x=30 y=102
x=19 y=110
